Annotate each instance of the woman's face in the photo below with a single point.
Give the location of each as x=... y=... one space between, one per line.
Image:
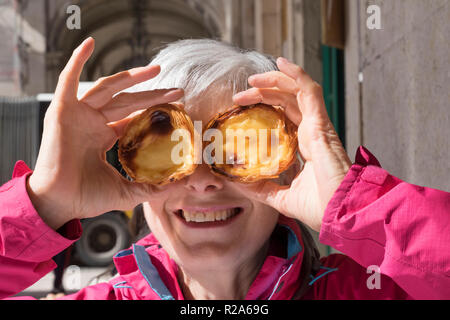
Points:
x=234 y=228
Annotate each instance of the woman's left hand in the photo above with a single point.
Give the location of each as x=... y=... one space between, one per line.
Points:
x=325 y=161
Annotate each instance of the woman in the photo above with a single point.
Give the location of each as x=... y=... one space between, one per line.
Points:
x=263 y=252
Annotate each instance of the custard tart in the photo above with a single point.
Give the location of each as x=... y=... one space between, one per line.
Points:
x=258 y=142
x=148 y=151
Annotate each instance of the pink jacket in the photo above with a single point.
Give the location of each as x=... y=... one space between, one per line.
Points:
x=374 y=218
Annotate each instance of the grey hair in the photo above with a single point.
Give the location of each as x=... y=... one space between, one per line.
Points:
x=197 y=65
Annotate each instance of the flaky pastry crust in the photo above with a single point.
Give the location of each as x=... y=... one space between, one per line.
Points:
x=145 y=149
x=254 y=167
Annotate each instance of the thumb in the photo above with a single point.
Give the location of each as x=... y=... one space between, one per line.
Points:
x=134 y=193
x=267 y=192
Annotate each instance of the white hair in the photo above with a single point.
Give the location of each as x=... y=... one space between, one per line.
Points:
x=197 y=65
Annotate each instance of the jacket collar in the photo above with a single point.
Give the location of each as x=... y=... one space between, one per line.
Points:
x=148 y=269
x=279 y=276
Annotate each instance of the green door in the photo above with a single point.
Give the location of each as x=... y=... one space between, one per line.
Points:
x=334 y=90
x=333 y=87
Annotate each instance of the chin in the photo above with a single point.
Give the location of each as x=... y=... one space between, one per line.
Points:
x=211 y=256
x=217 y=247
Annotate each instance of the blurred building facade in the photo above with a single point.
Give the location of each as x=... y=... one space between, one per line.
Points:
x=37 y=42
x=396 y=77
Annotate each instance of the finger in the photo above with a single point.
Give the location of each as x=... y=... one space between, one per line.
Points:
x=136 y=193
x=105 y=88
x=126 y=102
x=267 y=192
x=120 y=126
x=69 y=78
x=310 y=95
x=274 y=79
x=272 y=97
x=295 y=72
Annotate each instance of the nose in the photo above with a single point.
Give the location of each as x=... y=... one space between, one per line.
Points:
x=202 y=180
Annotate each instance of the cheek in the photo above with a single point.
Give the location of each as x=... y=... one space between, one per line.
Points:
x=154 y=213
x=159 y=222
x=154 y=210
x=264 y=217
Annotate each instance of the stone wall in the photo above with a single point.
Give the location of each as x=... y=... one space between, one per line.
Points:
x=401 y=109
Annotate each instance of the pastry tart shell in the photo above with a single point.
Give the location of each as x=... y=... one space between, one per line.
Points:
x=255 y=117
x=145 y=149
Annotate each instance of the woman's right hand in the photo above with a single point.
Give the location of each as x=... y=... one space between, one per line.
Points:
x=72 y=179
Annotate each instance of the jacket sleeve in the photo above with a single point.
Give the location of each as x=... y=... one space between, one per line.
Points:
x=100 y=291
x=341 y=278
x=27 y=243
x=379 y=220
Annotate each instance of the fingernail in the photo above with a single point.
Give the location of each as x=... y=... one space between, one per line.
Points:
x=283 y=60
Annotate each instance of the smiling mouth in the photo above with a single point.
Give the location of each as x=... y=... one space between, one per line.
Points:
x=216 y=216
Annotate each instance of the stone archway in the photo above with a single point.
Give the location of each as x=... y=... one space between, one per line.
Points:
x=127 y=33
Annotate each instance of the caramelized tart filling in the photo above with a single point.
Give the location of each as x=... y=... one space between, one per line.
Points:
x=249 y=144
x=146 y=149
x=259 y=142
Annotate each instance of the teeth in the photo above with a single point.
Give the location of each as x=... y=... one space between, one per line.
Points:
x=200 y=217
x=219 y=215
x=186 y=216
